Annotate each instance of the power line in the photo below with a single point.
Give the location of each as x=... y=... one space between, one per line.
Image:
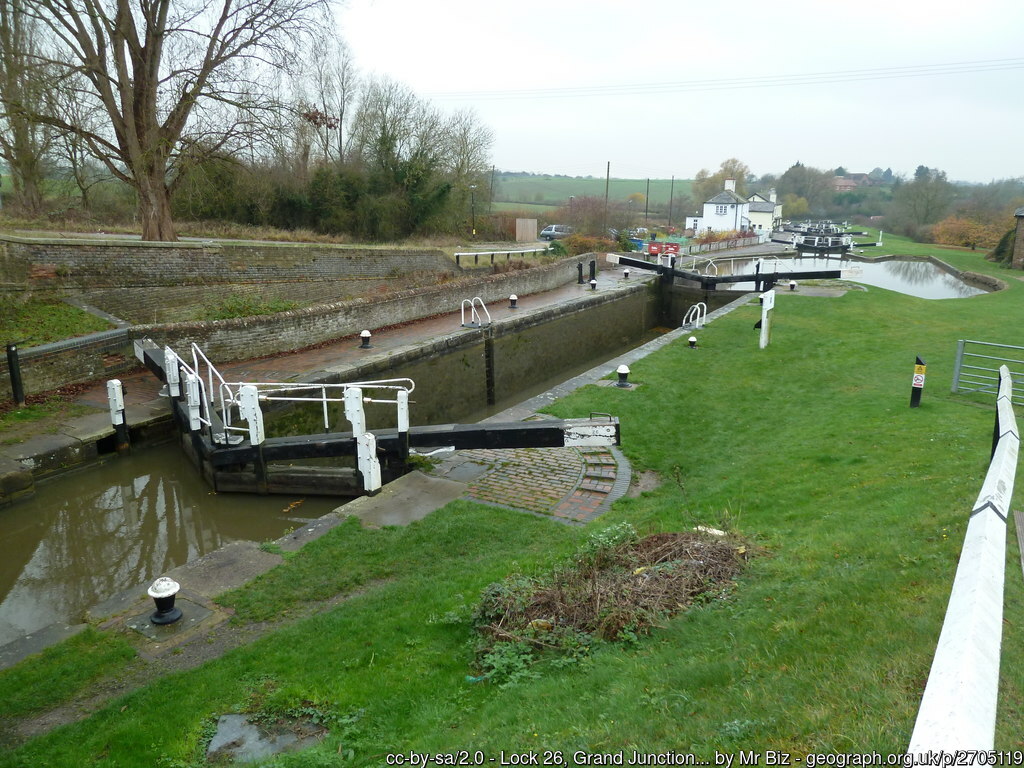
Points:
x=735 y=83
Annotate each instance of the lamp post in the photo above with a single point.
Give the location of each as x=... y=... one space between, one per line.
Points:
x=572 y=214
x=472 y=208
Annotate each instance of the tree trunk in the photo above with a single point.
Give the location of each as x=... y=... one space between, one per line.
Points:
x=155 y=210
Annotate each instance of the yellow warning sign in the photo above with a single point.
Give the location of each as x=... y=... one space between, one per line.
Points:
x=920 y=369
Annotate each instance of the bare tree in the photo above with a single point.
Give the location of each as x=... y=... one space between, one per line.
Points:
x=23 y=88
x=335 y=83
x=177 y=80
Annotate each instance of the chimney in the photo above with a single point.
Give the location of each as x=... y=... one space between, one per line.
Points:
x=730 y=185
x=771 y=196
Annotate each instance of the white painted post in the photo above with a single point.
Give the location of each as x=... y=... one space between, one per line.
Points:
x=958 y=708
x=354 y=410
x=172 y=372
x=767 y=305
x=366 y=443
x=249 y=409
x=403 y=410
x=192 y=398
x=115 y=399
x=369 y=464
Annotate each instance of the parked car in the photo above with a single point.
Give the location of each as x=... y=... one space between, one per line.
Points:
x=556 y=231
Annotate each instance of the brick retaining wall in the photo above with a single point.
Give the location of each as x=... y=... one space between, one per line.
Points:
x=51 y=264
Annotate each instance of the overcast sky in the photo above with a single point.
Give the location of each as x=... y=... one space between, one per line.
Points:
x=667 y=87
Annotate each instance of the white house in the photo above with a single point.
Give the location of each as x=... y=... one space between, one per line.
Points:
x=765 y=212
x=725 y=212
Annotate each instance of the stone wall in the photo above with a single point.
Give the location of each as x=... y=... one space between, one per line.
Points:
x=39 y=264
x=168 y=282
x=110 y=353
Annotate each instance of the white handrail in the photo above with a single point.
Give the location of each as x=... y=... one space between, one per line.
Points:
x=696 y=314
x=475 y=320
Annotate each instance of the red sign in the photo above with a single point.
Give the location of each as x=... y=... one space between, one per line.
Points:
x=671 y=247
x=654 y=248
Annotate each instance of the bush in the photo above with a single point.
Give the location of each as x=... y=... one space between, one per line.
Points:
x=576 y=244
x=1003 y=252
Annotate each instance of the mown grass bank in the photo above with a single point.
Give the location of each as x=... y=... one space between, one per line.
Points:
x=808 y=448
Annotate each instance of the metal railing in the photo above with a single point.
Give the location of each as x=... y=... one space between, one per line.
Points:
x=958 y=707
x=976 y=368
x=216 y=404
x=475 y=319
x=507 y=254
x=696 y=315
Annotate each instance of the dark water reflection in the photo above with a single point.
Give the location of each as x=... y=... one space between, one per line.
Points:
x=122 y=523
x=87 y=536
x=913 y=278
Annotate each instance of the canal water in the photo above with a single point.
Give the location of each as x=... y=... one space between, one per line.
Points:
x=913 y=278
x=122 y=523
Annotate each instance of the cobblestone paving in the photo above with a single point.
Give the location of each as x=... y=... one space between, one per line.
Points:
x=572 y=484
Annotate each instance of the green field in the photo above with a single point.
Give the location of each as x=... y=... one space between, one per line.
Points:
x=854 y=503
x=555 y=190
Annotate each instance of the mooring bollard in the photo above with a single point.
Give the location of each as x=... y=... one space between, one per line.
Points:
x=792 y=285
x=512 y=301
x=623 y=371
x=579 y=269
x=593 y=285
x=365 y=340
x=625 y=274
x=692 y=341
x=115 y=399
x=163 y=591
x=14 y=368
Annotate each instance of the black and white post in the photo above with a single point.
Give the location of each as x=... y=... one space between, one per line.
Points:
x=917 y=385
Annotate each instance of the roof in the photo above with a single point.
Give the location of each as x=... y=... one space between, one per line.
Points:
x=760 y=198
x=760 y=207
x=1019 y=212
x=726 y=196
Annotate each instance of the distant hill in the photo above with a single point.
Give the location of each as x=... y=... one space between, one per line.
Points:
x=555 y=190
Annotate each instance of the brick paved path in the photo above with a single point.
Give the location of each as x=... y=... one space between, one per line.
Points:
x=575 y=485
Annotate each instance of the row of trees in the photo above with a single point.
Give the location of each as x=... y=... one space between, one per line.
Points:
x=187 y=101
x=926 y=207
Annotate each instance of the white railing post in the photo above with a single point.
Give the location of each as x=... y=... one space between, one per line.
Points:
x=958 y=708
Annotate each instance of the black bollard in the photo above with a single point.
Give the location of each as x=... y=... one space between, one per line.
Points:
x=163 y=591
x=579 y=269
x=14 y=368
x=623 y=372
x=365 y=340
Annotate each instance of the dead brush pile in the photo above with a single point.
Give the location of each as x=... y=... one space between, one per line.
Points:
x=617 y=587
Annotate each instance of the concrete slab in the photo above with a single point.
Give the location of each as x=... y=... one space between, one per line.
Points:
x=410 y=497
x=311 y=529
x=15 y=481
x=229 y=567
x=43 y=454
x=192 y=614
x=89 y=428
x=37 y=642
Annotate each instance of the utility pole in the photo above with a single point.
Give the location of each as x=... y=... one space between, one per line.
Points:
x=490 y=197
x=671 y=197
x=607 y=179
x=647 y=200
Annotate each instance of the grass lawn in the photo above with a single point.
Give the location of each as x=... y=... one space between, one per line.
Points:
x=40 y=321
x=807 y=448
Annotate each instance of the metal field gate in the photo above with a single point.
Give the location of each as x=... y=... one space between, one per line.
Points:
x=976 y=368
